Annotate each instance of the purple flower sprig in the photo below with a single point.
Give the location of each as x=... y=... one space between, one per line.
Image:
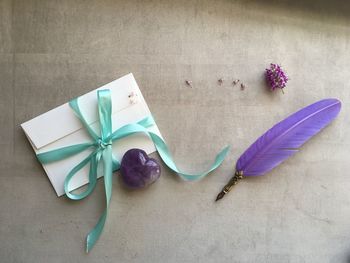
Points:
x=276 y=77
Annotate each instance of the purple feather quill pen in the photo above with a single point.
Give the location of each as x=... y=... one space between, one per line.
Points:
x=283 y=140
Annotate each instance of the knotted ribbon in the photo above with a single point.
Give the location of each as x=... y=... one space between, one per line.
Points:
x=102 y=152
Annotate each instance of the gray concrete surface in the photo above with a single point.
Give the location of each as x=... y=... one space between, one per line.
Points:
x=51 y=51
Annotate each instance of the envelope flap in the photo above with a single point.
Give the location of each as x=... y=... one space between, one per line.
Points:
x=41 y=134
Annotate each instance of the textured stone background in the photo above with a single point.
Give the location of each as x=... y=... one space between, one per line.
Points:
x=51 y=51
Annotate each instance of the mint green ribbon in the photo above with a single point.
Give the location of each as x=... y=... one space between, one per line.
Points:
x=102 y=151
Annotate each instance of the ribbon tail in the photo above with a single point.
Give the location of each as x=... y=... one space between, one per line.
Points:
x=95 y=233
x=164 y=153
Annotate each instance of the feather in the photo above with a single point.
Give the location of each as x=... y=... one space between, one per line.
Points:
x=286 y=137
x=283 y=140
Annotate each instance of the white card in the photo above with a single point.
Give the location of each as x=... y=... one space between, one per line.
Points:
x=60 y=127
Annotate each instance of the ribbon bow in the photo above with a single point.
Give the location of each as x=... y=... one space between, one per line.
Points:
x=102 y=152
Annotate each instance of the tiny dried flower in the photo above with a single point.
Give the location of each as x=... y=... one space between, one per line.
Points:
x=188 y=83
x=276 y=77
x=235 y=82
x=221 y=81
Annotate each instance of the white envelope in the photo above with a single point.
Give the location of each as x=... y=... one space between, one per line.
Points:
x=60 y=127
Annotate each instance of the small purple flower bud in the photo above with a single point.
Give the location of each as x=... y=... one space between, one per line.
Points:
x=276 y=77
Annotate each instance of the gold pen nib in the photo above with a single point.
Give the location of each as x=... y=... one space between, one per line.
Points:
x=234 y=180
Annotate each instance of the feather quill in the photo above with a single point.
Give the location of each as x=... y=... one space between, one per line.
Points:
x=283 y=140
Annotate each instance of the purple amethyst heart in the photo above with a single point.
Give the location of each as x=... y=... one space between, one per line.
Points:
x=138 y=170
